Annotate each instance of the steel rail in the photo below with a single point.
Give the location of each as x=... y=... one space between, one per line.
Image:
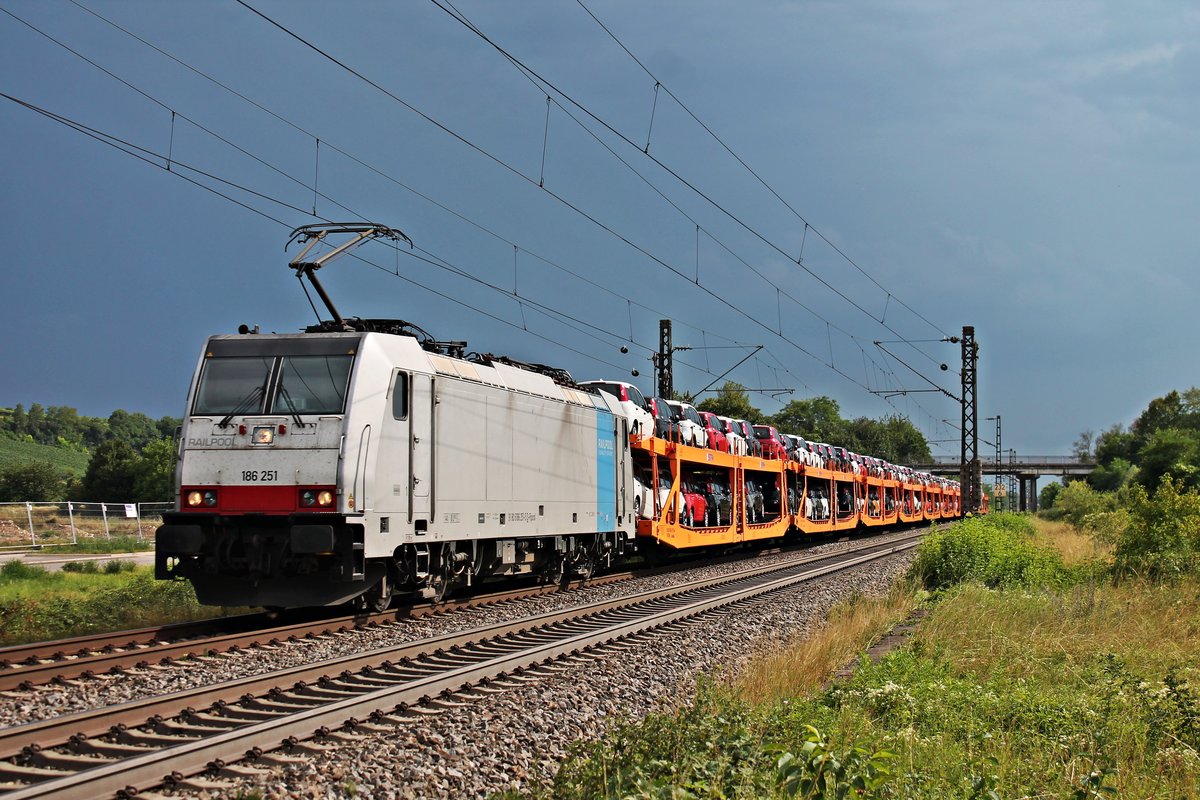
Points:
x=25 y=666
x=273 y=721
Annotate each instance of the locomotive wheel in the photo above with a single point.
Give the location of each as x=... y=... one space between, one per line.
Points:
x=584 y=562
x=439 y=582
x=441 y=574
x=556 y=570
x=379 y=596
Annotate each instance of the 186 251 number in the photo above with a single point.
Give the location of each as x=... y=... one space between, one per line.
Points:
x=259 y=476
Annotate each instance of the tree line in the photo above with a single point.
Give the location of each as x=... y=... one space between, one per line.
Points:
x=130 y=455
x=63 y=426
x=819 y=419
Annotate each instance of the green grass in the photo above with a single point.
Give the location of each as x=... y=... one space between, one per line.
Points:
x=36 y=605
x=1050 y=684
x=13 y=452
x=101 y=546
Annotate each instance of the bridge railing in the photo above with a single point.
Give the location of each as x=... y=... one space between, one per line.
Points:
x=1023 y=459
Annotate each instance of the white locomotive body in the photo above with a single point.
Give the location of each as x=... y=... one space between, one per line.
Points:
x=316 y=468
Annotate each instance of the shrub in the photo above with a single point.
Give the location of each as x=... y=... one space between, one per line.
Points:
x=997 y=550
x=1162 y=538
x=20 y=571
x=1048 y=495
x=822 y=771
x=31 y=481
x=1078 y=500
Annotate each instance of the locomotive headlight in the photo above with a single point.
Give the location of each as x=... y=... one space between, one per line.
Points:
x=210 y=498
x=322 y=498
x=194 y=498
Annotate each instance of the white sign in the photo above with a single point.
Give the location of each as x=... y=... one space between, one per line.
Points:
x=130 y=510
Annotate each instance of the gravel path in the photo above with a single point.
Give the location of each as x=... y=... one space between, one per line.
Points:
x=106 y=690
x=516 y=738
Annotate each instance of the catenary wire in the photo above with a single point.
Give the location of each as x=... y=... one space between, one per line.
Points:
x=547 y=85
x=479 y=226
x=591 y=218
x=228 y=142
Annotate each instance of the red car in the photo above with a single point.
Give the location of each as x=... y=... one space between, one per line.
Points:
x=695 y=506
x=715 y=428
x=771 y=441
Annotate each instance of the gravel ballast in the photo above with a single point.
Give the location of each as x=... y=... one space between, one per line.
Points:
x=516 y=738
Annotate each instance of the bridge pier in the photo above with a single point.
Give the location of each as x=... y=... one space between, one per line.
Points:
x=1029 y=498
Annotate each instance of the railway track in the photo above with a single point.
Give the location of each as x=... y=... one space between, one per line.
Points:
x=165 y=739
x=25 y=666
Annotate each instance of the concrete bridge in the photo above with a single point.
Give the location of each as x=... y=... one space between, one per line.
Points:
x=1026 y=469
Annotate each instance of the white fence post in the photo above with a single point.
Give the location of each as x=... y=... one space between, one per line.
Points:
x=71 y=514
x=32 y=532
x=137 y=515
x=104 y=513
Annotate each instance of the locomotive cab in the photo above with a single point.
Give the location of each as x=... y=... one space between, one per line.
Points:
x=260 y=495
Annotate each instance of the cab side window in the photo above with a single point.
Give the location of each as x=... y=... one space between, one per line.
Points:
x=400 y=396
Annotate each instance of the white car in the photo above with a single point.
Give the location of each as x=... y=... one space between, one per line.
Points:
x=644 y=503
x=633 y=403
x=691 y=427
x=737 y=442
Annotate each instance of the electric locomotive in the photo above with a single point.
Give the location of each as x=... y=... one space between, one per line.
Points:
x=362 y=456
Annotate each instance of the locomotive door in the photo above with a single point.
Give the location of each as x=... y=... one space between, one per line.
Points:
x=424 y=408
x=393 y=482
x=404 y=474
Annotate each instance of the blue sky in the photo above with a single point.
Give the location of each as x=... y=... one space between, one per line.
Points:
x=1028 y=168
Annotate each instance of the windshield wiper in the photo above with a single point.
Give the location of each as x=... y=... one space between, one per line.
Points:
x=243 y=406
x=287 y=398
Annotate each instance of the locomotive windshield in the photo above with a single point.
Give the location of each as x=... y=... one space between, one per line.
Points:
x=291 y=384
x=233 y=385
x=312 y=385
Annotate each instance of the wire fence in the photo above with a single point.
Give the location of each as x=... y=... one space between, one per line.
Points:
x=24 y=525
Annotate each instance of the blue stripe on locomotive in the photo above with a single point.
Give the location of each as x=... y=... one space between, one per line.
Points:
x=606 y=484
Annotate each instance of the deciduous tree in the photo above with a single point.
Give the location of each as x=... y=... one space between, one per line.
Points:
x=732 y=400
x=818 y=419
x=33 y=481
x=111 y=473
